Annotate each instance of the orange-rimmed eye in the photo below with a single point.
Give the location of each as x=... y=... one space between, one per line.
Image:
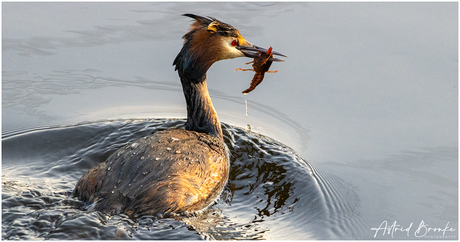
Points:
x=234 y=42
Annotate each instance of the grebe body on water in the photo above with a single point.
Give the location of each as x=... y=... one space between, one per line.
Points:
x=177 y=170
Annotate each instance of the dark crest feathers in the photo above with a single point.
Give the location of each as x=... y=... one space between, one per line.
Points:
x=186 y=62
x=202 y=20
x=218 y=26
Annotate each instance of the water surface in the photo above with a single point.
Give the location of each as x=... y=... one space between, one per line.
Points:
x=367 y=103
x=268 y=185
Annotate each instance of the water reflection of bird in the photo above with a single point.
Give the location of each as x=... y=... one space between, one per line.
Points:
x=176 y=170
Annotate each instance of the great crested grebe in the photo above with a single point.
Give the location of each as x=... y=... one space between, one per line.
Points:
x=176 y=170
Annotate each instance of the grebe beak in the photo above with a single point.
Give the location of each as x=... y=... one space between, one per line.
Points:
x=250 y=50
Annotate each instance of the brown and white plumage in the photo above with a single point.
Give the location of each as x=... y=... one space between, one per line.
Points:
x=175 y=170
x=170 y=171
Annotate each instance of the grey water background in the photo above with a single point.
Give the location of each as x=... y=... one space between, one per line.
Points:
x=369 y=91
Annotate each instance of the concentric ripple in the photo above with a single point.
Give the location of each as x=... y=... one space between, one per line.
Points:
x=272 y=193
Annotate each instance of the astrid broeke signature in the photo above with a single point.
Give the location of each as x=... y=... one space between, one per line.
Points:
x=423 y=230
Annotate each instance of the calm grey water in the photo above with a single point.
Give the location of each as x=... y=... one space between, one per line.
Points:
x=368 y=96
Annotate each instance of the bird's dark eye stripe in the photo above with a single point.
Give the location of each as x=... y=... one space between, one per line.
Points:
x=227 y=33
x=223 y=33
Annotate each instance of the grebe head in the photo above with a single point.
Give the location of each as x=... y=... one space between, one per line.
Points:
x=210 y=40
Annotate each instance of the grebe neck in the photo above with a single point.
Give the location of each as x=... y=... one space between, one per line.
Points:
x=201 y=116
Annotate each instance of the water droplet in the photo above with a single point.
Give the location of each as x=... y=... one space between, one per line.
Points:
x=113 y=191
x=109 y=168
x=157 y=158
x=168 y=148
x=134 y=145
